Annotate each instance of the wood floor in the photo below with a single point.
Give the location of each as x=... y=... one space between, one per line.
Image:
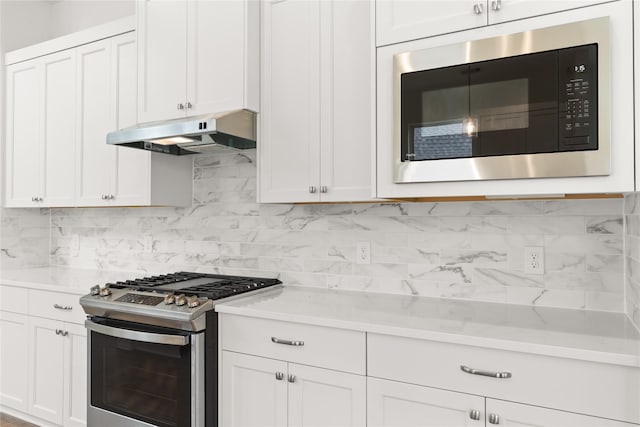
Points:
x=9 y=421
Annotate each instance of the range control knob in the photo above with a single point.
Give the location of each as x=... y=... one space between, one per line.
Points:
x=95 y=290
x=105 y=291
x=181 y=300
x=193 y=301
x=169 y=299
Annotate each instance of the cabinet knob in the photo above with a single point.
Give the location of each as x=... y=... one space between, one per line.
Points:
x=323 y=189
x=292 y=378
x=496 y=5
x=478 y=9
x=312 y=189
x=474 y=414
x=494 y=419
x=180 y=106
x=189 y=105
x=111 y=197
x=279 y=376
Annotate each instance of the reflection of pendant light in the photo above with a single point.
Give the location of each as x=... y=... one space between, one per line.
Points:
x=470 y=124
x=470 y=127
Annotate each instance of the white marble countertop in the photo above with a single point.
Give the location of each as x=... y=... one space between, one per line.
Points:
x=586 y=335
x=62 y=279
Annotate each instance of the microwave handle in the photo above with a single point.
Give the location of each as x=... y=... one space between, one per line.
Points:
x=127 y=334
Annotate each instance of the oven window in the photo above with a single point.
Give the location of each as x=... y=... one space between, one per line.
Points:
x=145 y=381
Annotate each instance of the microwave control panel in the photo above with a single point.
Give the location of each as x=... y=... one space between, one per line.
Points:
x=578 y=91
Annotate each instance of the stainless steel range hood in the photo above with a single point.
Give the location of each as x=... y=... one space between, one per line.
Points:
x=232 y=130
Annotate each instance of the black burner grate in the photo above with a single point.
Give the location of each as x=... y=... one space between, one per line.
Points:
x=219 y=286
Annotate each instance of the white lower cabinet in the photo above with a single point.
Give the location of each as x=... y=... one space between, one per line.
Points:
x=43 y=360
x=296 y=375
x=397 y=404
x=288 y=394
x=58 y=372
x=392 y=403
x=13 y=360
x=415 y=382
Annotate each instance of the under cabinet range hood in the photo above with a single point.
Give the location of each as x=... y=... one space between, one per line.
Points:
x=210 y=133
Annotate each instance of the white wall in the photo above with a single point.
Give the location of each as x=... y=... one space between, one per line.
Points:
x=24 y=23
x=69 y=16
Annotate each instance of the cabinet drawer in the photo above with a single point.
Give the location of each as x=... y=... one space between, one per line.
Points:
x=330 y=348
x=13 y=299
x=53 y=305
x=592 y=388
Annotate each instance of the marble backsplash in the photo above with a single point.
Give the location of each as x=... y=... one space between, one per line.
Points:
x=632 y=253
x=24 y=238
x=468 y=250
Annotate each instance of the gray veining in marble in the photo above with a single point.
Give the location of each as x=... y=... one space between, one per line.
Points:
x=464 y=250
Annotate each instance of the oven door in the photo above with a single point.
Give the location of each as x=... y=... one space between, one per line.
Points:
x=141 y=375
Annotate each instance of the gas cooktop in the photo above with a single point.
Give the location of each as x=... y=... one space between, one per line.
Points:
x=212 y=286
x=174 y=300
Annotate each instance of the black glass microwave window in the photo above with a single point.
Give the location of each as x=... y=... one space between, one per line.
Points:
x=144 y=381
x=536 y=103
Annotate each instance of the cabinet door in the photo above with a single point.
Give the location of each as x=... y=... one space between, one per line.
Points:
x=396 y=404
x=96 y=160
x=253 y=379
x=23 y=161
x=58 y=128
x=346 y=100
x=162 y=51
x=75 y=375
x=131 y=185
x=46 y=353
x=216 y=55
x=321 y=397
x=509 y=414
x=289 y=146
x=510 y=10
x=13 y=360
x=403 y=20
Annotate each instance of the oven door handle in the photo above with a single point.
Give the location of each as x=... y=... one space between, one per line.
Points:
x=127 y=334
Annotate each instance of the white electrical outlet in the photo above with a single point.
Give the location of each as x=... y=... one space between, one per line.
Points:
x=534 y=260
x=147 y=242
x=363 y=253
x=74 y=245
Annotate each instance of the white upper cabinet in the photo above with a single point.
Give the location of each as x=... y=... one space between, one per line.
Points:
x=196 y=57
x=316 y=101
x=23 y=147
x=404 y=20
x=615 y=84
x=109 y=175
x=60 y=107
x=40 y=131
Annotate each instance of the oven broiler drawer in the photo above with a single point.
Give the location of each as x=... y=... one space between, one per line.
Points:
x=332 y=348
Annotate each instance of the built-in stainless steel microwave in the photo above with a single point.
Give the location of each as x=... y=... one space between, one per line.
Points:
x=533 y=104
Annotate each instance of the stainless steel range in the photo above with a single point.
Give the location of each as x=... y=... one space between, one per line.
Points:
x=153 y=348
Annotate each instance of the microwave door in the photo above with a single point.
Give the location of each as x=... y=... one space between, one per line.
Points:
x=515 y=103
x=434 y=105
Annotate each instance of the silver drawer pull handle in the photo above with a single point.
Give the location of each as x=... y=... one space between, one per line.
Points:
x=287 y=342
x=472 y=371
x=474 y=414
x=63 y=307
x=279 y=376
x=494 y=419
